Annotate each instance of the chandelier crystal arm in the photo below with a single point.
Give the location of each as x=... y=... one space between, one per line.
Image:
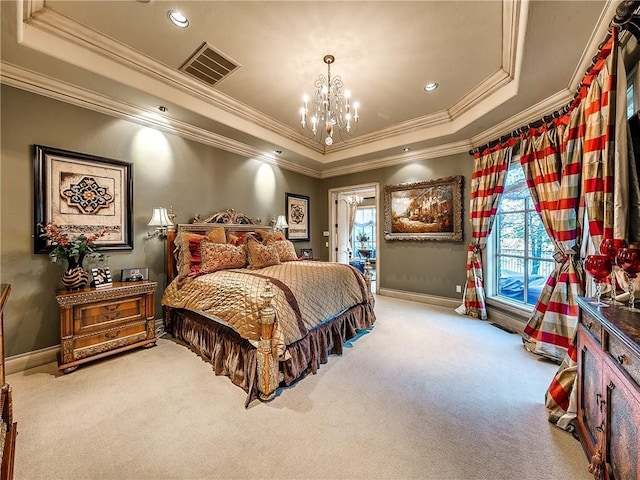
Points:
x=331 y=108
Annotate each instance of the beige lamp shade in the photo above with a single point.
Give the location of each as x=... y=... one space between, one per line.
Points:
x=281 y=223
x=159 y=218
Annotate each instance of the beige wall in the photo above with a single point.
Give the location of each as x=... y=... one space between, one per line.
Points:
x=167 y=170
x=194 y=178
x=430 y=267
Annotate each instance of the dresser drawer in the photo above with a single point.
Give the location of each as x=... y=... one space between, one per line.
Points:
x=592 y=325
x=98 y=316
x=85 y=345
x=623 y=357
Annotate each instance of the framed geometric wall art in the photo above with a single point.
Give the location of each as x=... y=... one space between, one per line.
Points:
x=427 y=210
x=83 y=194
x=297 y=212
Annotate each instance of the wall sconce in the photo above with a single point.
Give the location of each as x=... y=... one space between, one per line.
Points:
x=159 y=219
x=281 y=224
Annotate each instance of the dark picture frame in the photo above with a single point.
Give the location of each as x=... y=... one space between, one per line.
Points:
x=134 y=274
x=297 y=212
x=425 y=210
x=101 y=277
x=83 y=194
x=306 y=253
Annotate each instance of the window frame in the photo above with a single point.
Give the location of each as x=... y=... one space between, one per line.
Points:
x=491 y=256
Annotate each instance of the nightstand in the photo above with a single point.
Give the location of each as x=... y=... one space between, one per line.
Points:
x=97 y=322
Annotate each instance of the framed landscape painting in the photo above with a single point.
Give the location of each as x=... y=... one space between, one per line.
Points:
x=427 y=210
x=83 y=194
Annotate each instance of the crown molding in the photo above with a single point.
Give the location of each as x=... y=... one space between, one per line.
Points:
x=531 y=114
x=33 y=82
x=437 y=151
x=49 y=21
x=140 y=68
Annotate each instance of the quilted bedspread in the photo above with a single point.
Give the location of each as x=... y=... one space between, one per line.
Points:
x=306 y=294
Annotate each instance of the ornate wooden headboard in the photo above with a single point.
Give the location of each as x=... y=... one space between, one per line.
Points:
x=231 y=220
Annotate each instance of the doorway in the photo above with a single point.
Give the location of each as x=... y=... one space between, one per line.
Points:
x=354 y=214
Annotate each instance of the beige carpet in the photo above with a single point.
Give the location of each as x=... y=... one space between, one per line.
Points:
x=426 y=394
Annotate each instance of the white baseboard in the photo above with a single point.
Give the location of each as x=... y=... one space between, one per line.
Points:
x=25 y=361
x=514 y=323
x=37 y=358
x=505 y=320
x=421 y=297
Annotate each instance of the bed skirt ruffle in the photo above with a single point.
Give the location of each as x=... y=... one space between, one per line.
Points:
x=235 y=357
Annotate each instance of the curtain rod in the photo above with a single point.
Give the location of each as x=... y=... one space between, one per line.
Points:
x=627 y=19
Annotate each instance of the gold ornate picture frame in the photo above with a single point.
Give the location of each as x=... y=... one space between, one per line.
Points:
x=83 y=194
x=426 y=210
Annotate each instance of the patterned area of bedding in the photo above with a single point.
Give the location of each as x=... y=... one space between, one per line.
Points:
x=306 y=295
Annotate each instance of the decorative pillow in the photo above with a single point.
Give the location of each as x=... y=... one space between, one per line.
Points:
x=240 y=238
x=187 y=245
x=221 y=256
x=260 y=255
x=274 y=237
x=286 y=251
x=217 y=235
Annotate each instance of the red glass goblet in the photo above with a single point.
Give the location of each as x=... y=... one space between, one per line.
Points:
x=610 y=247
x=599 y=267
x=629 y=260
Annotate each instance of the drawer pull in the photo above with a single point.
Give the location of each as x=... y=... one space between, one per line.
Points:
x=589 y=326
x=111 y=316
x=112 y=308
x=621 y=359
x=111 y=335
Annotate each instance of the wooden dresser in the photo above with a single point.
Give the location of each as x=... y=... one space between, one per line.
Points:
x=97 y=322
x=609 y=390
x=8 y=428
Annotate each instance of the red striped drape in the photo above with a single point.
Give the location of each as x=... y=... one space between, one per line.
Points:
x=568 y=166
x=487 y=184
x=569 y=170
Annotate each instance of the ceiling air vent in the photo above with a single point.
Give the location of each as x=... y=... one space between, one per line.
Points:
x=208 y=65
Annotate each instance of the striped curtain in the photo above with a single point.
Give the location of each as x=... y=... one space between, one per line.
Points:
x=552 y=164
x=569 y=170
x=487 y=184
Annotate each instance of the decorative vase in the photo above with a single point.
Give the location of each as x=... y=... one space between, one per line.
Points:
x=75 y=276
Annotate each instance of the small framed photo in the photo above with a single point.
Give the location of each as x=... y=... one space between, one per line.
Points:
x=101 y=277
x=134 y=274
x=306 y=253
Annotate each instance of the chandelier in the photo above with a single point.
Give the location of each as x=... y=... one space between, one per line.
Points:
x=331 y=109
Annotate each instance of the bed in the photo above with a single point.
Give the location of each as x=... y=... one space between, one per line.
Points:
x=238 y=295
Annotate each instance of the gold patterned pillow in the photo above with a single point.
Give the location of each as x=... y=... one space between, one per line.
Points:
x=221 y=256
x=187 y=249
x=274 y=237
x=260 y=255
x=286 y=251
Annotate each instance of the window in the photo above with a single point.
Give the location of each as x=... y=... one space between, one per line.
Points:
x=632 y=93
x=520 y=247
x=364 y=231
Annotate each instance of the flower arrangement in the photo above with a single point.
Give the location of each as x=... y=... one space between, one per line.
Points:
x=71 y=247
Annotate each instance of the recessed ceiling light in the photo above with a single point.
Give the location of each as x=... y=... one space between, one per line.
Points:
x=279 y=152
x=178 y=19
x=406 y=149
x=430 y=87
x=162 y=108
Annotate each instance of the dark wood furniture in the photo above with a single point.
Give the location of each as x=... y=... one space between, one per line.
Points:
x=8 y=428
x=608 y=384
x=97 y=322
